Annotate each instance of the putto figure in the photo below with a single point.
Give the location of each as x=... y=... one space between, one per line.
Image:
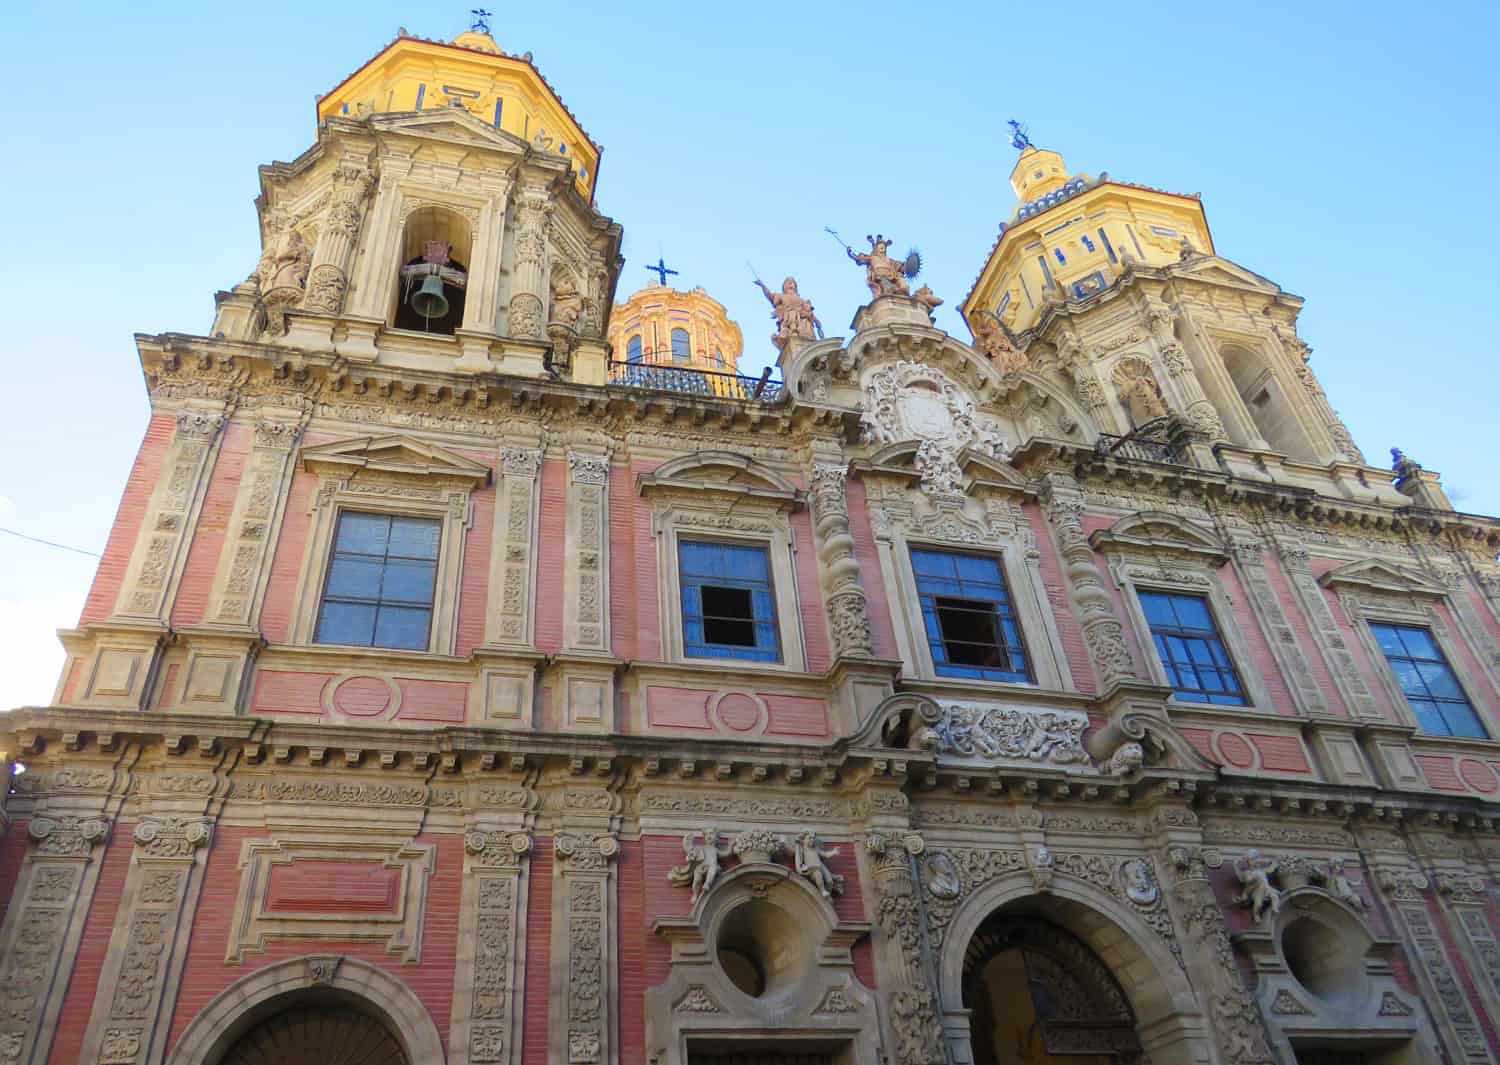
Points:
x=702 y=867
x=927 y=299
x=808 y=861
x=793 y=313
x=990 y=339
x=884 y=275
x=1255 y=871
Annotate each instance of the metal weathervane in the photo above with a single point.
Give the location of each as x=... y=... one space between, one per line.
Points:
x=481 y=20
x=661 y=270
x=1019 y=137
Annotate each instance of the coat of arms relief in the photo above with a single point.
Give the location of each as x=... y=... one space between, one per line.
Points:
x=911 y=402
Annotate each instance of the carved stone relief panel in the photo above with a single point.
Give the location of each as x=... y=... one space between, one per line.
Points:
x=238 y=585
x=512 y=578
x=1345 y=669
x=586 y=602
x=583 y=970
x=491 y=958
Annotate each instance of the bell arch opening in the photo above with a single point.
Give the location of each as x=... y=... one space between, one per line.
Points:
x=436 y=247
x=311 y=1028
x=1267 y=403
x=1039 y=994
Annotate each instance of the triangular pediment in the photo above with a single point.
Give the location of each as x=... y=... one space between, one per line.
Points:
x=1220 y=271
x=1378 y=575
x=394 y=455
x=1157 y=531
x=451 y=124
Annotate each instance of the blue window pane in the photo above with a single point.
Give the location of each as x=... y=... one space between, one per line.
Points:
x=355 y=577
x=1158 y=609
x=1462 y=721
x=1429 y=717
x=633 y=349
x=728 y=606
x=682 y=346
x=1191 y=653
x=933 y=563
x=408 y=582
x=1437 y=700
x=966 y=612
x=414 y=538
x=1389 y=639
x=1408 y=677
x=971 y=568
x=1419 y=643
x=1440 y=680
x=350 y=623
x=402 y=627
x=365 y=534
x=1201 y=653
x=1192 y=613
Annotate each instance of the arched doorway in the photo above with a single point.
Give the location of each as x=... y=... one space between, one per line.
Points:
x=312 y=1032
x=1041 y=996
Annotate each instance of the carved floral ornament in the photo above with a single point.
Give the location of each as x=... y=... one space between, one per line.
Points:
x=911 y=402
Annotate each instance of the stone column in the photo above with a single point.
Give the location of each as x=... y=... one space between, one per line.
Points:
x=43 y=926
x=1071 y=358
x=1200 y=415
x=328 y=280
x=482 y=297
x=843 y=597
x=486 y=1028
x=149 y=943
x=1062 y=503
x=908 y=976
x=1238 y=1028
x=584 y=985
x=527 y=315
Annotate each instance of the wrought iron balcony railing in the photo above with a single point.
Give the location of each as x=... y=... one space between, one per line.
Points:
x=1141 y=449
x=688 y=381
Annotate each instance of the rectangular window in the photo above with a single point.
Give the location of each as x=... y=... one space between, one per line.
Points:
x=1188 y=644
x=728 y=609
x=379 y=588
x=1428 y=682
x=966 y=610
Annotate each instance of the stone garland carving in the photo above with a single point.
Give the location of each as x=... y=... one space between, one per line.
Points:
x=848 y=616
x=57 y=862
x=1267 y=605
x=329 y=279
x=914 y=402
x=250 y=524
x=1346 y=672
x=524 y=319
x=496 y=862
x=588 y=480
x=1237 y=1023
x=913 y=1007
x=747 y=808
x=165 y=527
x=584 y=860
x=1004 y=733
x=511 y=572
x=1102 y=632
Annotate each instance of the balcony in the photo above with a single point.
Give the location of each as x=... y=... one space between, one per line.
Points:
x=1158 y=441
x=687 y=381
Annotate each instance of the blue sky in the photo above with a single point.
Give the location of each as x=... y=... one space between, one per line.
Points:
x=1340 y=150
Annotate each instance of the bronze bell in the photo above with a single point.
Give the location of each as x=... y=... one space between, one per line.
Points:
x=429 y=301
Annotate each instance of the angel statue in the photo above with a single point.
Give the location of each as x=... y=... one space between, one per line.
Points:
x=927 y=299
x=702 y=866
x=884 y=275
x=808 y=861
x=990 y=339
x=793 y=313
x=1255 y=872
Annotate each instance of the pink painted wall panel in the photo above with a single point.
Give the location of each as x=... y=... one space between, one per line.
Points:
x=678 y=708
x=550 y=552
x=280 y=692
x=474 y=581
x=877 y=595
x=134 y=502
x=443 y=701
x=796 y=715
x=213 y=524
x=1062 y=608
x=286 y=563
x=810 y=594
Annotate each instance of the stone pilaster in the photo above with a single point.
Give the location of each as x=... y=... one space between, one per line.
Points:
x=1333 y=425
x=1062 y=502
x=586 y=583
x=1238 y=1028
x=1325 y=630
x=509 y=615
x=132 y=1015
x=527 y=315
x=328 y=280
x=907 y=975
x=1286 y=647
x=843 y=597
x=43 y=927
x=584 y=984
x=486 y=1028
x=1197 y=412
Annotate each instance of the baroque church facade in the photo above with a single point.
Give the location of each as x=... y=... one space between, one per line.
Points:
x=481 y=671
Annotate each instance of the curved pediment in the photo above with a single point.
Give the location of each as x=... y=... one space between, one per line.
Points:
x=1154 y=531
x=722 y=472
x=395 y=455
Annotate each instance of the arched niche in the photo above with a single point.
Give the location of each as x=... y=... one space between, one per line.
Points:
x=1167 y=1017
x=1324 y=980
x=341 y=990
x=763 y=964
x=1267 y=402
x=427 y=227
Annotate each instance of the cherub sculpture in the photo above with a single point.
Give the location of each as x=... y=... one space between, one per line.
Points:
x=1255 y=871
x=702 y=866
x=925 y=297
x=884 y=275
x=1339 y=885
x=567 y=303
x=808 y=861
x=794 y=314
x=990 y=339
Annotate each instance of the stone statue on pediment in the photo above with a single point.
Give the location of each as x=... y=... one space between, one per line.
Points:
x=703 y=864
x=990 y=339
x=794 y=315
x=884 y=275
x=808 y=859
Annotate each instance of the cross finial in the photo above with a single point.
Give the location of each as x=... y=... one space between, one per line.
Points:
x=480 y=24
x=1018 y=136
x=661 y=270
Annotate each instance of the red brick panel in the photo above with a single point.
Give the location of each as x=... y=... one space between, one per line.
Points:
x=551 y=533
x=88 y=965
x=1439 y=771
x=796 y=715
x=647 y=625
x=1062 y=606
x=635 y=932
x=132 y=511
x=213 y=522
x=315 y=886
x=810 y=594
x=12 y=854
x=622 y=564
x=1248 y=627
x=1203 y=740
x=538 y=956
x=474 y=581
x=1458 y=963
x=281 y=692
x=432 y=700
x=877 y=595
x=1297 y=618
x=286 y=562
x=1282 y=754
x=678 y=708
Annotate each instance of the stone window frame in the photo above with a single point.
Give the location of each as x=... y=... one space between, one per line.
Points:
x=350 y=481
x=1183 y=560
x=687 y=504
x=1373 y=592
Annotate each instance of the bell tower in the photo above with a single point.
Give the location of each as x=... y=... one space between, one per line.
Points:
x=443 y=220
